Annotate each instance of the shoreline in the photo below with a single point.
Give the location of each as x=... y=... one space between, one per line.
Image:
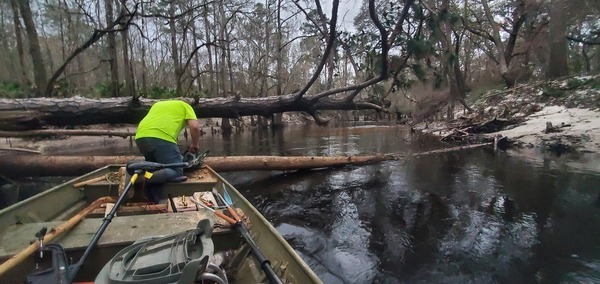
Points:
x=574 y=130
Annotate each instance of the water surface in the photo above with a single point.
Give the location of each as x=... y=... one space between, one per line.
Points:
x=462 y=217
x=471 y=216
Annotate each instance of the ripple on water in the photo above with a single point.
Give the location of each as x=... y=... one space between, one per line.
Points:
x=589 y=273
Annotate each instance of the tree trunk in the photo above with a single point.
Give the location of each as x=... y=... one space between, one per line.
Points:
x=557 y=63
x=81 y=82
x=27 y=114
x=499 y=47
x=39 y=70
x=211 y=76
x=45 y=37
x=175 y=50
x=197 y=78
x=330 y=64
x=129 y=83
x=24 y=79
x=37 y=165
x=223 y=46
x=277 y=120
x=112 y=51
x=64 y=42
x=143 y=51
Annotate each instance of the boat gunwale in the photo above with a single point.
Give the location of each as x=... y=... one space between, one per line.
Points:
x=291 y=251
x=50 y=190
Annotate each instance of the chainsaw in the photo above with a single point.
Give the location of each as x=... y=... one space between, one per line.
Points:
x=194 y=160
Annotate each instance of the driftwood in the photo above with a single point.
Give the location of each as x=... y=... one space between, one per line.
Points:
x=489 y=126
x=465 y=133
x=41 y=165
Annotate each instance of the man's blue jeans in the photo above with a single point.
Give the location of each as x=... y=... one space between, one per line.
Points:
x=164 y=152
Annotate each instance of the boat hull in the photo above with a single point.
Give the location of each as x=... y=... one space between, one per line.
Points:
x=136 y=220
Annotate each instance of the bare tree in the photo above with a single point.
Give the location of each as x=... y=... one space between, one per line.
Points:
x=500 y=51
x=557 y=62
x=20 y=51
x=174 y=48
x=127 y=72
x=111 y=49
x=39 y=70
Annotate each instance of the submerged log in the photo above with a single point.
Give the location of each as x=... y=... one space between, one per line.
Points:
x=42 y=165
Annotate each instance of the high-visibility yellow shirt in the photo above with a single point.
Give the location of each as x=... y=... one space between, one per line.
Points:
x=165 y=120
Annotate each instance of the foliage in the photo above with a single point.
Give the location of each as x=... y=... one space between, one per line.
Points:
x=421 y=48
x=103 y=90
x=477 y=94
x=159 y=92
x=11 y=90
x=550 y=91
x=595 y=83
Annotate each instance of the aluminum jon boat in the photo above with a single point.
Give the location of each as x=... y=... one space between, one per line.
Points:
x=203 y=231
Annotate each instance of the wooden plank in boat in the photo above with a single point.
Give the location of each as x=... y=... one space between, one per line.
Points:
x=198 y=180
x=132 y=209
x=121 y=231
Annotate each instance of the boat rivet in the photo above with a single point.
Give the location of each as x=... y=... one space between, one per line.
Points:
x=62 y=268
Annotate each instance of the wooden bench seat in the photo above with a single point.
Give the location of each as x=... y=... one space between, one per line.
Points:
x=198 y=180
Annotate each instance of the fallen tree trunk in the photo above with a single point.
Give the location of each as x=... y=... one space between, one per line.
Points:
x=65 y=132
x=37 y=165
x=39 y=113
x=40 y=165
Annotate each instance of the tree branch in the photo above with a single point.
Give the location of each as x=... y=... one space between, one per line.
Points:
x=97 y=35
x=398 y=28
x=584 y=41
x=330 y=43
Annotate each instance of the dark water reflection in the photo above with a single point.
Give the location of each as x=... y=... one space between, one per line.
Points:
x=460 y=217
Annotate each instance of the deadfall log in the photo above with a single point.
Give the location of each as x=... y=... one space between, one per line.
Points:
x=65 y=132
x=40 y=113
x=20 y=165
x=39 y=165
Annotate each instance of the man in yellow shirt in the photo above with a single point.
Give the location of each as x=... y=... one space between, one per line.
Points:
x=157 y=135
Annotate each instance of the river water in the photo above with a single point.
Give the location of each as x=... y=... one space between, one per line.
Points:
x=462 y=217
x=474 y=216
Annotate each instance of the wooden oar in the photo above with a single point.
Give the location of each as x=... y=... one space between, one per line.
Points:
x=265 y=264
x=90 y=181
x=217 y=212
x=62 y=228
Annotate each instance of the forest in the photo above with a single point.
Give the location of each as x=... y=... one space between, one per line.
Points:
x=417 y=58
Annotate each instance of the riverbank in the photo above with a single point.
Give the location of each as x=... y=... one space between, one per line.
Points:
x=558 y=116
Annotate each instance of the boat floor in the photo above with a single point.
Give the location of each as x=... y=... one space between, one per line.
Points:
x=121 y=231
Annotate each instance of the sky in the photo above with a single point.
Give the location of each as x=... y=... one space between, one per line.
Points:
x=347 y=10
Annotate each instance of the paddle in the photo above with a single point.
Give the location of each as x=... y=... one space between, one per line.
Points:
x=54 y=233
x=265 y=264
x=62 y=274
